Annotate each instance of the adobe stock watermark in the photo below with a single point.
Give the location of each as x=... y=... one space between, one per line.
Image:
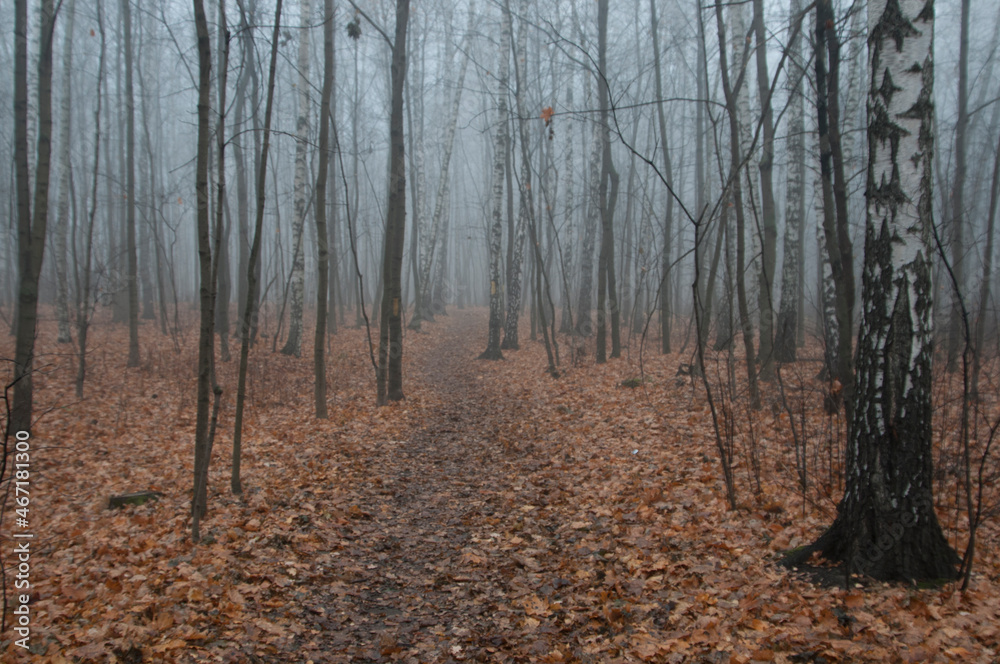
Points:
x=22 y=538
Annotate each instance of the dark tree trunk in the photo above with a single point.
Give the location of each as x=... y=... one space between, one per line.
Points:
x=247 y=324
x=133 y=263
x=390 y=350
x=322 y=298
x=206 y=329
x=30 y=229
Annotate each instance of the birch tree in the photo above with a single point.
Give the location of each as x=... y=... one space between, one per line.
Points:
x=495 y=238
x=516 y=240
x=786 y=332
x=886 y=526
x=293 y=345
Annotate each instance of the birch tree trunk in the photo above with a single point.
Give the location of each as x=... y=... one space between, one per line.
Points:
x=438 y=239
x=886 y=526
x=835 y=234
x=788 y=316
x=510 y=340
x=500 y=139
x=293 y=345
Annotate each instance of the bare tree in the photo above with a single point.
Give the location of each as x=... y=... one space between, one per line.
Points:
x=63 y=211
x=390 y=349
x=607 y=195
x=249 y=307
x=293 y=345
x=322 y=298
x=130 y=246
x=731 y=90
x=500 y=139
x=786 y=334
x=32 y=218
x=886 y=526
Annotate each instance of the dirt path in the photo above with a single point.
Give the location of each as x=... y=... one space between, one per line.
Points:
x=421 y=573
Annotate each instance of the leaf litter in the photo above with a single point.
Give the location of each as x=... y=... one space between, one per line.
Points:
x=495 y=515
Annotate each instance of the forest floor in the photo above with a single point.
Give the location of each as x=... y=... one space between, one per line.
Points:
x=494 y=515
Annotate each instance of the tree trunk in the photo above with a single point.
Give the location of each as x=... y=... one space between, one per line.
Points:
x=390 y=350
x=62 y=215
x=516 y=241
x=206 y=328
x=293 y=345
x=770 y=229
x=252 y=272
x=958 y=212
x=886 y=526
x=607 y=194
x=83 y=306
x=569 y=241
x=666 y=317
x=786 y=334
x=133 y=261
x=319 y=345
x=732 y=91
x=30 y=229
x=835 y=230
x=492 y=351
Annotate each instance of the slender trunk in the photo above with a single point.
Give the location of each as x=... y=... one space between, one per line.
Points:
x=252 y=273
x=30 y=229
x=666 y=318
x=437 y=241
x=767 y=207
x=607 y=291
x=206 y=331
x=516 y=241
x=83 y=306
x=133 y=262
x=958 y=212
x=390 y=351
x=62 y=216
x=731 y=92
x=319 y=346
x=786 y=334
x=492 y=351
x=293 y=345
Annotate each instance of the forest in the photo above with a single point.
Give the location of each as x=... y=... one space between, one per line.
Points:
x=500 y=331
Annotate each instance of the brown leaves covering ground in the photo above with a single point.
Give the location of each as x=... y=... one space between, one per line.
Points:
x=496 y=515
